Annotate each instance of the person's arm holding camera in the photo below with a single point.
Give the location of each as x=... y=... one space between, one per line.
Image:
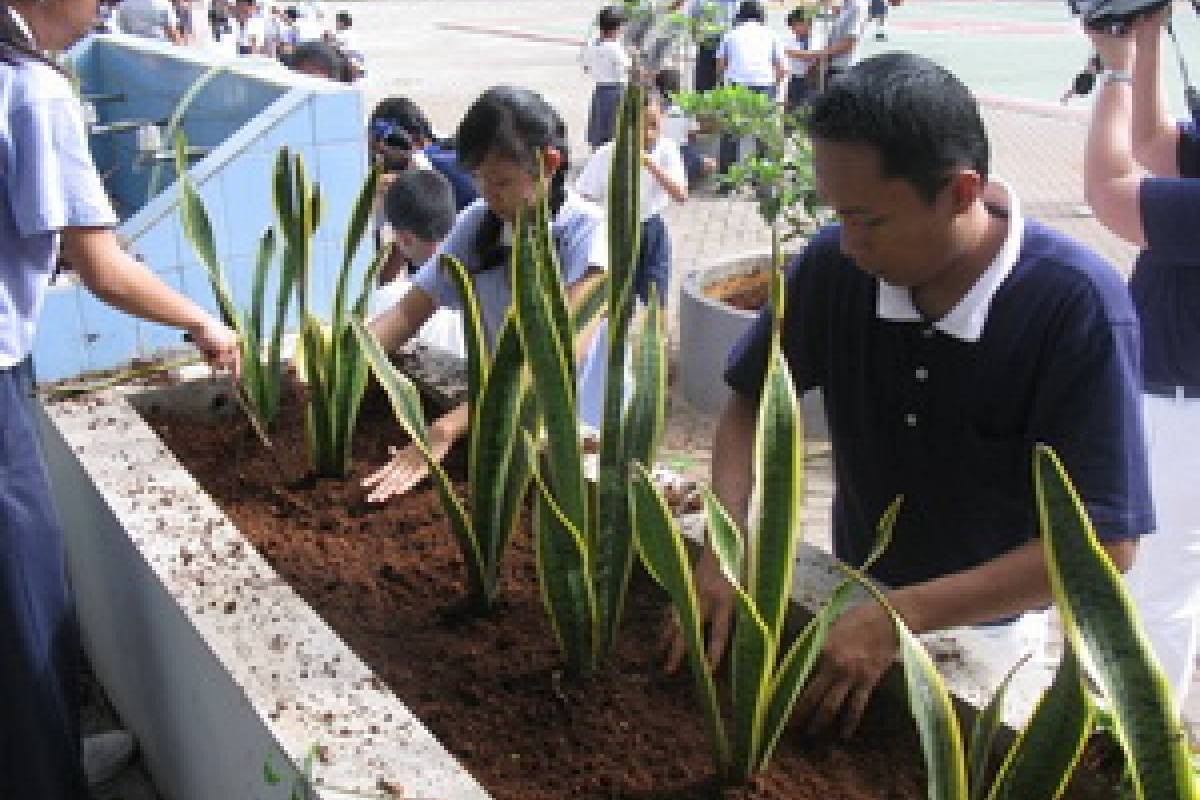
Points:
x=1155 y=133
x=1112 y=178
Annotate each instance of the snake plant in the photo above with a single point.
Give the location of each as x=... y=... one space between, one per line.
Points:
x=582 y=531
x=499 y=403
x=1102 y=630
x=767 y=673
x=332 y=363
x=262 y=367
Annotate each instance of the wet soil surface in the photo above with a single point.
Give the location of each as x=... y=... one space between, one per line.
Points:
x=389 y=580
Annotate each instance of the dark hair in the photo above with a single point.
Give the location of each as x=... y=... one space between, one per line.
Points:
x=750 y=10
x=420 y=201
x=514 y=124
x=667 y=81
x=404 y=114
x=610 y=18
x=344 y=18
x=798 y=14
x=922 y=120
x=292 y=13
x=323 y=55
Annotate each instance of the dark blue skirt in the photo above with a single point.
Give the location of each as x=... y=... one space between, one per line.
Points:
x=39 y=712
x=654 y=261
x=602 y=117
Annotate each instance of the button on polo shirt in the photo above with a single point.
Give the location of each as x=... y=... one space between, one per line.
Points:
x=1044 y=348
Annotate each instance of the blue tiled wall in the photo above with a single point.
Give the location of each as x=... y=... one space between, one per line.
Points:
x=245 y=114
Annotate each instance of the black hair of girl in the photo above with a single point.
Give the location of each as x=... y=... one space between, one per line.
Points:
x=515 y=124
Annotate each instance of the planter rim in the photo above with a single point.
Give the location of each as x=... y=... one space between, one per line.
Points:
x=697 y=280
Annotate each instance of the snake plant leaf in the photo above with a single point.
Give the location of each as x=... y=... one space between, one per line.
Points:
x=1101 y=622
x=983 y=734
x=753 y=651
x=563 y=572
x=360 y=216
x=661 y=549
x=933 y=711
x=472 y=327
x=406 y=406
x=281 y=194
x=497 y=464
x=1041 y=761
x=312 y=341
x=258 y=289
x=589 y=304
x=646 y=414
x=537 y=227
x=549 y=356
x=198 y=229
x=779 y=493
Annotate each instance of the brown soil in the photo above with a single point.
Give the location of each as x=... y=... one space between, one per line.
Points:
x=747 y=291
x=389 y=581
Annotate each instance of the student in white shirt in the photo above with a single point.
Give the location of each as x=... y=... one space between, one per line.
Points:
x=152 y=19
x=750 y=55
x=663 y=179
x=249 y=29
x=844 y=40
x=608 y=63
x=508 y=138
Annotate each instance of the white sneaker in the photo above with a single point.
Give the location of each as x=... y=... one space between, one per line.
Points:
x=106 y=754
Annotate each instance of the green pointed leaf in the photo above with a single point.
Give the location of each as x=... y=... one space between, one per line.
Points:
x=472 y=327
x=661 y=548
x=360 y=216
x=1100 y=621
x=562 y=565
x=983 y=735
x=589 y=304
x=406 y=407
x=1040 y=762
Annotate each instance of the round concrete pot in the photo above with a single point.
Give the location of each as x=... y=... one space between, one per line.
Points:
x=708 y=330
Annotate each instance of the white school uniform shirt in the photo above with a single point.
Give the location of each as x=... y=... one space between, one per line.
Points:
x=593 y=181
x=580 y=238
x=254 y=28
x=800 y=66
x=677 y=126
x=850 y=21
x=607 y=61
x=751 y=50
x=48 y=183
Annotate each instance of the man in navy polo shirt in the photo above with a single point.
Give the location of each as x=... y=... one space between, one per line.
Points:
x=948 y=335
x=1154 y=202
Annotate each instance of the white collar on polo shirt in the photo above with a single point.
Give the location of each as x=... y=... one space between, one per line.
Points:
x=23 y=26
x=966 y=320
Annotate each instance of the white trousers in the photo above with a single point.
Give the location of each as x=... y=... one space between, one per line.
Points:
x=1165 y=578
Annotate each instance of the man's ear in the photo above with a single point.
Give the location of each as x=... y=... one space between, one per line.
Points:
x=966 y=187
x=552 y=159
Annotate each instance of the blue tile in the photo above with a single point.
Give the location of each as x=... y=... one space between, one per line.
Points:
x=151 y=337
x=294 y=130
x=158 y=246
x=246 y=184
x=58 y=350
x=338 y=115
x=110 y=336
x=340 y=169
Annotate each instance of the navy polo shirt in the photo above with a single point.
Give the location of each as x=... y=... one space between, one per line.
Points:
x=1166 y=278
x=445 y=161
x=951 y=423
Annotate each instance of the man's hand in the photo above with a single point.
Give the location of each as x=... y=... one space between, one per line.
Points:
x=406 y=468
x=715 y=596
x=859 y=649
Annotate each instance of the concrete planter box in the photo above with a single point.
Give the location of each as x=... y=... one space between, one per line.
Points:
x=708 y=330
x=218 y=666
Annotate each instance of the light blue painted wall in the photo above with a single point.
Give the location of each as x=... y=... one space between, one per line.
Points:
x=245 y=115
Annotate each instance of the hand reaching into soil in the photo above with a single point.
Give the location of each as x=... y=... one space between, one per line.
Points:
x=407 y=466
x=860 y=647
x=405 y=469
x=715 y=597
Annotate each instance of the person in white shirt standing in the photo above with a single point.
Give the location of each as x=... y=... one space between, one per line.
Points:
x=750 y=55
x=844 y=40
x=151 y=19
x=663 y=179
x=608 y=63
x=249 y=29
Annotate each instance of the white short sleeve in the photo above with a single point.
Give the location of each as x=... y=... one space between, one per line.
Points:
x=592 y=183
x=56 y=185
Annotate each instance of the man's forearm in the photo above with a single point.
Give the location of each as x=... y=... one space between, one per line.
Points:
x=1005 y=586
x=733 y=450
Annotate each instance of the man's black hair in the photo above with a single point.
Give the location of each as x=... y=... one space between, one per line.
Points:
x=751 y=10
x=667 y=81
x=344 y=18
x=325 y=56
x=292 y=13
x=513 y=124
x=420 y=201
x=610 y=18
x=405 y=114
x=918 y=116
